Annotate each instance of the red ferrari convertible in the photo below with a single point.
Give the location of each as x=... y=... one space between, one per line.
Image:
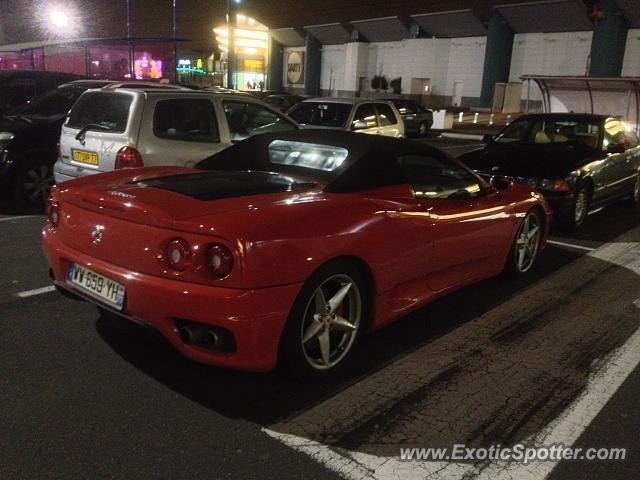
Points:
x=288 y=246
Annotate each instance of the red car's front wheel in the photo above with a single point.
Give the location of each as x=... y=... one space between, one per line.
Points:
x=326 y=320
x=526 y=246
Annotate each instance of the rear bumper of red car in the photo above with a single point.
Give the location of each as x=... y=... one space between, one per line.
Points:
x=255 y=318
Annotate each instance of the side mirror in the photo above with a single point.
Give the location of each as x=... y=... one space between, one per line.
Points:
x=487 y=138
x=359 y=125
x=501 y=183
x=615 y=148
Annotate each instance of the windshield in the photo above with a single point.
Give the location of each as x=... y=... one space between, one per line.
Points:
x=109 y=110
x=55 y=103
x=325 y=114
x=545 y=131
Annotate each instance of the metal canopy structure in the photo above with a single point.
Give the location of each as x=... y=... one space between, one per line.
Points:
x=289 y=37
x=546 y=16
x=330 y=33
x=451 y=24
x=631 y=11
x=386 y=29
x=616 y=96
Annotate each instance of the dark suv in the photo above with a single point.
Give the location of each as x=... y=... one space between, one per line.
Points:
x=20 y=86
x=28 y=138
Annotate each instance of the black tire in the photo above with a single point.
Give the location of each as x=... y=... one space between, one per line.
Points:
x=423 y=129
x=579 y=208
x=514 y=265
x=305 y=359
x=32 y=180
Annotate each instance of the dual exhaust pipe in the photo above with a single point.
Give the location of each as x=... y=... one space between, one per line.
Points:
x=201 y=336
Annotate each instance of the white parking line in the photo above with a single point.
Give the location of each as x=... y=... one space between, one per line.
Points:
x=37 y=291
x=570 y=245
x=565 y=429
x=17 y=217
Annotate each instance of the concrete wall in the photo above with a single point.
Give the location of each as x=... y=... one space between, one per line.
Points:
x=466 y=59
x=631 y=63
x=333 y=70
x=564 y=53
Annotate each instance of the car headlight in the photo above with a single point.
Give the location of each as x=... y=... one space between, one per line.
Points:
x=5 y=138
x=552 y=185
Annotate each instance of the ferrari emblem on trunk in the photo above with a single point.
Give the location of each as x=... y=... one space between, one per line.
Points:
x=96 y=235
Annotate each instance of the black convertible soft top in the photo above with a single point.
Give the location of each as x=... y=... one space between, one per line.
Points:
x=372 y=160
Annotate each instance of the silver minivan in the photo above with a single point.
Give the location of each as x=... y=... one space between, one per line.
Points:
x=116 y=128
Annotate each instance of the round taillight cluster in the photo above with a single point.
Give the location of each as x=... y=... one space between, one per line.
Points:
x=220 y=260
x=179 y=254
x=53 y=212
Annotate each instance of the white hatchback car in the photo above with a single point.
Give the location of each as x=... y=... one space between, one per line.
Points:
x=363 y=115
x=114 y=128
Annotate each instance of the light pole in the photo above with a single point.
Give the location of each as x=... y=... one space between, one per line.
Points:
x=231 y=53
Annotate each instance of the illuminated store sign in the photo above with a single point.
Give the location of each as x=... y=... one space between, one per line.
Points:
x=295 y=67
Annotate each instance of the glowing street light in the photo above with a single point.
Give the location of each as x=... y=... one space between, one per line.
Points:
x=59 y=19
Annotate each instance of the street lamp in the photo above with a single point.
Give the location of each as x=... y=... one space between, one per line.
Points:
x=59 y=21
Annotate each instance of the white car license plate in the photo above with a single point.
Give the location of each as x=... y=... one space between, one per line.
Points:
x=96 y=285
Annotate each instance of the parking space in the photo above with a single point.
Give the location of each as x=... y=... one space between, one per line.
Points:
x=495 y=363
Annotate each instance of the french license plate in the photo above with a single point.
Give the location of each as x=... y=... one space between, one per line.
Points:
x=96 y=285
x=82 y=156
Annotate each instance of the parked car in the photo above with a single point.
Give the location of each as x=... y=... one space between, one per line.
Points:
x=30 y=133
x=287 y=246
x=110 y=129
x=353 y=114
x=283 y=102
x=580 y=162
x=417 y=119
x=20 y=86
x=28 y=138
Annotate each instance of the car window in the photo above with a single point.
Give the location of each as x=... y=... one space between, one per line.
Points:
x=308 y=155
x=617 y=132
x=516 y=132
x=186 y=119
x=322 y=114
x=386 y=115
x=366 y=113
x=110 y=110
x=554 y=130
x=437 y=178
x=247 y=118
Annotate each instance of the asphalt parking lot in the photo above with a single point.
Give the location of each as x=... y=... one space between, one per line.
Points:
x=535 y=361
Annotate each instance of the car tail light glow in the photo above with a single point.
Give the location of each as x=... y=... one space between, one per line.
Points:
x=220 y=260
x=53 y=212
x=179 y=254
x=128 y=157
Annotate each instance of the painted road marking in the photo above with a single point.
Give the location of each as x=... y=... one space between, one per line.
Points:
x=570 y=245
x=36 y=291
x=18 y=217
x=609 y=373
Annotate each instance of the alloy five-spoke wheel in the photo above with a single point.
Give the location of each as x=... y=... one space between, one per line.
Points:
x=580 y=206
x=34 y=182
x=526 y=245
x=326 y=320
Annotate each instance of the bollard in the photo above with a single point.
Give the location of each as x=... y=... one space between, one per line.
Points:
x=508 y=119
x=491 y=117
x=475 y=117
x=460 y=117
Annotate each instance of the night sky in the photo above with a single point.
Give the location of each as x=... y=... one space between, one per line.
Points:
x=19 y=18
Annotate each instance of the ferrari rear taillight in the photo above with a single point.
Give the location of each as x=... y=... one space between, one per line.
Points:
x=128 y=157
x=179 y=254
x=53 y=212
x=220 y=260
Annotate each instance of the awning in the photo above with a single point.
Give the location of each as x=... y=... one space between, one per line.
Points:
x=19 y=47
x=289 y=37
x=386 y=29
x=547 y=16
x=451 y=24
x=330 y=33
x=615 y=96
x=631 y=11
